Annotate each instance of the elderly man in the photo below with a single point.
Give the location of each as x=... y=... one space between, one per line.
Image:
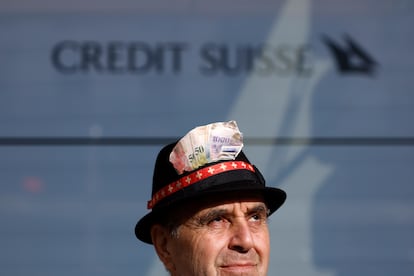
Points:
x=209 y=206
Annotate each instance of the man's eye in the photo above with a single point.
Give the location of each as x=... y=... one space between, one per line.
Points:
x=217 y=219
x=217 y=222
x=258 y=217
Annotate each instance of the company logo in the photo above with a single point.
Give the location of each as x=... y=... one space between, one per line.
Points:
x=209 y=59
x=351 y=58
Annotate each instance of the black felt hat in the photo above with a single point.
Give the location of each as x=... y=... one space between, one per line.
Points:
x=170 y=188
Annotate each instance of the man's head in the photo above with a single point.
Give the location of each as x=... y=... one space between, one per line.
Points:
x=209 y=206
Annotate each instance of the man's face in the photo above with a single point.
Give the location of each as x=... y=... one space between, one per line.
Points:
x=223 y=238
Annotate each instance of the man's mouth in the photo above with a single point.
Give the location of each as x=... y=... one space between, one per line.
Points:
x=239 y=267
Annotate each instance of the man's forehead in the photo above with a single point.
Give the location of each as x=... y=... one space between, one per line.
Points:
x=234 y=207
x=227 y=199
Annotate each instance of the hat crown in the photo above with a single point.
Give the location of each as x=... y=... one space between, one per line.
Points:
x=165 y=174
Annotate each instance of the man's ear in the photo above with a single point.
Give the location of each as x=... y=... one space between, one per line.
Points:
x=161 y=239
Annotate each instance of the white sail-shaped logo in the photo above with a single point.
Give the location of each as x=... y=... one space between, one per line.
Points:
x=281 y=104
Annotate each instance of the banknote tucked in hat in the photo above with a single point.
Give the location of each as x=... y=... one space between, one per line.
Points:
x=207 y=161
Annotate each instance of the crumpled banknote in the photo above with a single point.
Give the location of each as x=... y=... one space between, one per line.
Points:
x=206 y=144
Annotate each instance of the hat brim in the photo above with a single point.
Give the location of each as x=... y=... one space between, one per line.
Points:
x=273 y=197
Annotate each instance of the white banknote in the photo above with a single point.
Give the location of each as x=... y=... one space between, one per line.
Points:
x=207 y=144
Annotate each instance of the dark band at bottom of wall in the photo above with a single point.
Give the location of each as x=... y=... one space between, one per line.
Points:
x=148 y=141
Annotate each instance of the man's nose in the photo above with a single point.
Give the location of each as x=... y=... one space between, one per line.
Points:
x=241 y=239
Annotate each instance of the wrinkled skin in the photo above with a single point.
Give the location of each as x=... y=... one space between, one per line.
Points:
x=226 y=237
